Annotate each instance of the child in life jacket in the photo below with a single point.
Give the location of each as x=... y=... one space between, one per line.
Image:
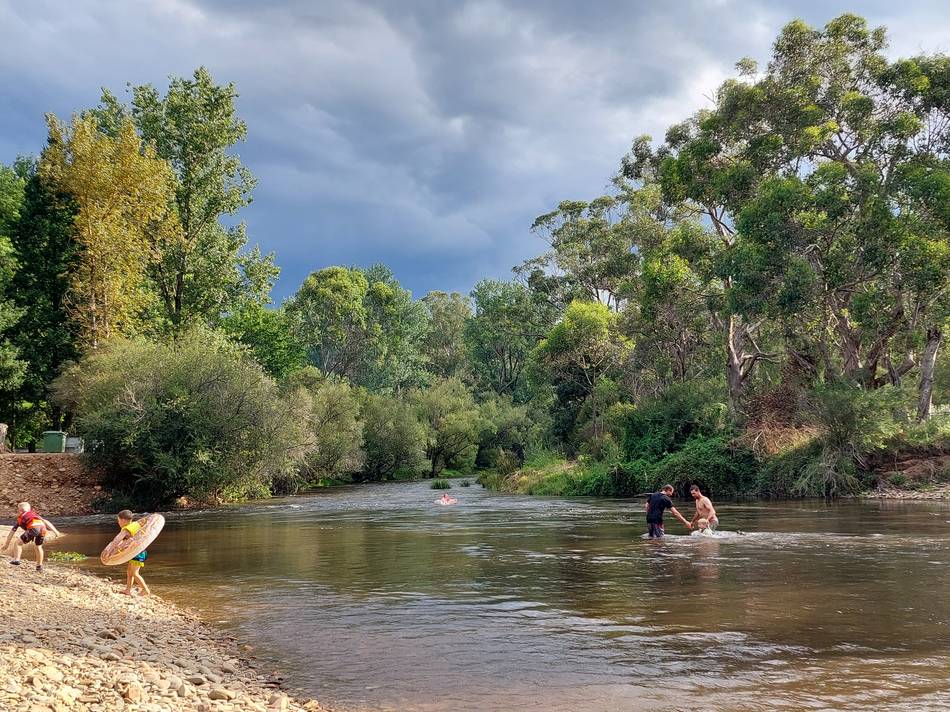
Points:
x=128 y=528
x=34 y=529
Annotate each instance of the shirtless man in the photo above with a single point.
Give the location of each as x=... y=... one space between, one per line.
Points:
x=704 y=508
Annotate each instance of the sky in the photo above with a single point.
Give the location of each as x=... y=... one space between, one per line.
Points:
x=425 y=135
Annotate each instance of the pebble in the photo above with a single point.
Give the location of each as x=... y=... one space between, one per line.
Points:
x=81 y=656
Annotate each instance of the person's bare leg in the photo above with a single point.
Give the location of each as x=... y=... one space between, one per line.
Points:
x=40 y=556
x=137 y=577
x=129 y=574
x=17 y=550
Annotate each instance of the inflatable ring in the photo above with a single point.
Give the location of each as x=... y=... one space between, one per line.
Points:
x=121 y=551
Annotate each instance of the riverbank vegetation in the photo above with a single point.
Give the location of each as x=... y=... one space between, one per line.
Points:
x=758 y=304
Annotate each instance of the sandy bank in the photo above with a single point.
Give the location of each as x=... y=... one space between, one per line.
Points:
x=72 y=641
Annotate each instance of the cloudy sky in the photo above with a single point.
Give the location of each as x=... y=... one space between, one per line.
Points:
x=426 y=135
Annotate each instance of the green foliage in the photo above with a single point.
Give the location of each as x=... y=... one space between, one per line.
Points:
x=445 y=340
x=452 y=422
x=361 y=325
x=191 y=417
x=45 y=245
x=440 y=484
x=582 y=350
x=203 y=270
x=66 y=556
x=897 y=479
x=720 y=468
x=507 y=322
x=663 y=425
x=12 y=367
x=333 y=425
x=394 y=440
x=270 y=336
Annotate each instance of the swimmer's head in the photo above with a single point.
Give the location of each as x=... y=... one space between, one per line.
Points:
x=702 y=524
x=23 y=507
x=124 y=517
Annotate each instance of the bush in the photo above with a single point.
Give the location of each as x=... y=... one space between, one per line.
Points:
x=897 y=479
x=440 y=484
x=601 y=448
x=193 y=417
x=507 y=462
x=452 y=424
x=718 y=467
x=334 y=427
x=393 y=439
x=780 y=475
x=683 y=412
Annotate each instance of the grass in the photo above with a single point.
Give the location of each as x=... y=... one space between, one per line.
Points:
x=66 y=556
x=440 y=484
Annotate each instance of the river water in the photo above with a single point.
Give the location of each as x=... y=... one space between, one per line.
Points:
x=375 y=597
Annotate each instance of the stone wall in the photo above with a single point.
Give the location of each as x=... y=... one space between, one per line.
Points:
x=55 y=484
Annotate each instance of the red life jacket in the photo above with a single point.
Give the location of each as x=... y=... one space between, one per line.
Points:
x=27 y=519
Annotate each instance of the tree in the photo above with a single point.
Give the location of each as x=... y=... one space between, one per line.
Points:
x=451 y=420
x=329 y=316
x=44 y=242
x=829 y=117
x=269 y=334
x=361 y=325
x=583 y=349
x=393 y=359
x=592 y=248
x=445 y=341
x=507 y=323
x=201 y=271
x=333 y=424
x=12 y=368
x=119 y=188
x=393 y=438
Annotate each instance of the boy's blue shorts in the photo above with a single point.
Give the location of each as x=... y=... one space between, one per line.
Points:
x=140 y=558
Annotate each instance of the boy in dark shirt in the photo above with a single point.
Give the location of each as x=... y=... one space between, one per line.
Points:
x=657 y=503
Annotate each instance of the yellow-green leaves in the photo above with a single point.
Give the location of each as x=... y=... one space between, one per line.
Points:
x=120 y=188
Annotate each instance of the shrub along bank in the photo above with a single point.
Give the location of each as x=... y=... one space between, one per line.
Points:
x=846 y=442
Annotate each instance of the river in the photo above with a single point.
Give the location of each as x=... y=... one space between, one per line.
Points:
x=374 y=597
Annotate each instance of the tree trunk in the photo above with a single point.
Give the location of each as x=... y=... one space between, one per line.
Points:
x=3 y=438
x=734 y=375
x=850 y=344
x=927 y=363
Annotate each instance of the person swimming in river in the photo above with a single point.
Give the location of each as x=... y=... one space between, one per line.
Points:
x=704 y=508
x=445 y=499
x=656 y=504
x=34 y=529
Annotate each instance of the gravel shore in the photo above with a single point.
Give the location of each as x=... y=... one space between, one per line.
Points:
x=72 y=641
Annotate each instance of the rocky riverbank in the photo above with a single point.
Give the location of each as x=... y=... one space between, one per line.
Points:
x=72 y=641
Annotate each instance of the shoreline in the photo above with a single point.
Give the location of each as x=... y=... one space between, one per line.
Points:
x=72 y=641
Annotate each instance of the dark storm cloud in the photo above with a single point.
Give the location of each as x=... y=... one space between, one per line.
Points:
x=426 y=135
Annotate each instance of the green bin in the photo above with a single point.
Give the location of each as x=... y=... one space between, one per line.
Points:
x=54 y=441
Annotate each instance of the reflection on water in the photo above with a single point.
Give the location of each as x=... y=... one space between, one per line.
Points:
x=376 y=597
